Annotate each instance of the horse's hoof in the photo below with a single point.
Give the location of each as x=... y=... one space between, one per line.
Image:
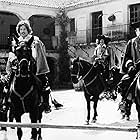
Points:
x=39 y=138
x=87 y=122
x=33 y=138
x=127 y=118
x=94 y=121
x=123 y=116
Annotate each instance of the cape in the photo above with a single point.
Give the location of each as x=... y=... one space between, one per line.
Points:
x=39 y=54
x=132 y=54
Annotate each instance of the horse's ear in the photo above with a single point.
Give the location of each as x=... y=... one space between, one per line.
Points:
x=30 y=41
x=15 y=38
x=78 y=58
x=71 y=60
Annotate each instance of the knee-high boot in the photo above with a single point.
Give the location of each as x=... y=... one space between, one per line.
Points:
x=45 y=92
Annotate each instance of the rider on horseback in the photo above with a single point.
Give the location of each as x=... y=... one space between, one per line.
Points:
x=130 y=67
x=39 y=55
x=105 y=55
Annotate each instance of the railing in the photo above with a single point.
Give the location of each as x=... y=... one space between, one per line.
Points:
x=115 y=32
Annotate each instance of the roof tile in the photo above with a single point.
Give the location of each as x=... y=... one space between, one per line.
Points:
x=49 y=3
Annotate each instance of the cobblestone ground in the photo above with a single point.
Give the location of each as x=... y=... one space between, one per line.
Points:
x=73 y=113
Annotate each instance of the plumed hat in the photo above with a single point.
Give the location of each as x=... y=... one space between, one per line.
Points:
x=135 y=25
x=105 y=38
x=98 y=36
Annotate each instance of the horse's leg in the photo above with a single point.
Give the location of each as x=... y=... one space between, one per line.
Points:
x=19 y=130
x=87 y=97
x=11 y=116
x=39 y=130
x=128 y=109
x=138 y=110
x=95 y=111
x=3 y=117
x=33 y=117
x=88 y=111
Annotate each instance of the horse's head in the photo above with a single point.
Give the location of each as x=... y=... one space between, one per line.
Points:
x=25 y=62
x=79 y=68
x=75 y=70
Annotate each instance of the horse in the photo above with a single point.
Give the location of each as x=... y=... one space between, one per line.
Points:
x=93 y=82
x=113 y=82
x=24 y=89
x=3 y=111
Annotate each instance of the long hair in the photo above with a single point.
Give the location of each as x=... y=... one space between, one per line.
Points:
x=26 y=23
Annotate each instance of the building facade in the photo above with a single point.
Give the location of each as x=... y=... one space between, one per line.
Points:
x=87 y=19
x=109 y=17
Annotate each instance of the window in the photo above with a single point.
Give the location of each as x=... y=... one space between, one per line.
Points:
x=134 y=13
x=134 y=17
x=96 y=24
x=72 y=25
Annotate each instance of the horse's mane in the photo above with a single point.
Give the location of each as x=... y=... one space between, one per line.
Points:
x=84 y=61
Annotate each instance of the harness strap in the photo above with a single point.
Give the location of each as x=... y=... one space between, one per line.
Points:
x=87 y=73
x=91 y=81
x=22 y=98
x=86 y=88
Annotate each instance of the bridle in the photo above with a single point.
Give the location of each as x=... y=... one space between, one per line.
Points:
x=19 y=72
x=78 y=72
x=80 y=66
x=12 y=88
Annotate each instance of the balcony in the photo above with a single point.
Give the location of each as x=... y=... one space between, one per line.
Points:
x=115 y=32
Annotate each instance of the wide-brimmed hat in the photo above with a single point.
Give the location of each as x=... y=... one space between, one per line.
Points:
x=135 y=24
x=105 y=38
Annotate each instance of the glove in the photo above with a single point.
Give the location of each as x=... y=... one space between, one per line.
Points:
x=131 y=71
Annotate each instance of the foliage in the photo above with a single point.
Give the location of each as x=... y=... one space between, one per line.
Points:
x=64 y=58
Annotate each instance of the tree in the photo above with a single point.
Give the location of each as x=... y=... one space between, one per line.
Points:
x=64 y=58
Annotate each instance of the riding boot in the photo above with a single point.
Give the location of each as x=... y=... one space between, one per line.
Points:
x=45 y=92
x=45 y=95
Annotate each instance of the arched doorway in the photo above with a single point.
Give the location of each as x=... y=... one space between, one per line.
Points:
x=8 y=22
x=44 y=28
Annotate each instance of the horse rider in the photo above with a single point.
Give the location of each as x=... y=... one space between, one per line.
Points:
x=105 y=54
x=24 y=31
x=130 y=67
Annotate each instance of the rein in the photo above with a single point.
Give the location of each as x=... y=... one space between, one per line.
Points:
x=82 y=78
x=21 y=97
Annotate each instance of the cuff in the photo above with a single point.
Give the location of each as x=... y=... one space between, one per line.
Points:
x=129 y=63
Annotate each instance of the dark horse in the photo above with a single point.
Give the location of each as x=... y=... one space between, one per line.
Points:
x=93 y=82
x=25 y=88
x=3 y=114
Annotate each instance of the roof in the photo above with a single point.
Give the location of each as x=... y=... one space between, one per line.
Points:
x=49 y=3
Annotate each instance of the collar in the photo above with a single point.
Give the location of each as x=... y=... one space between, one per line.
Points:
x=24 y=39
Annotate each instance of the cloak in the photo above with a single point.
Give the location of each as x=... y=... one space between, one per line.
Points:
x=132 y=54
x=39 y=54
